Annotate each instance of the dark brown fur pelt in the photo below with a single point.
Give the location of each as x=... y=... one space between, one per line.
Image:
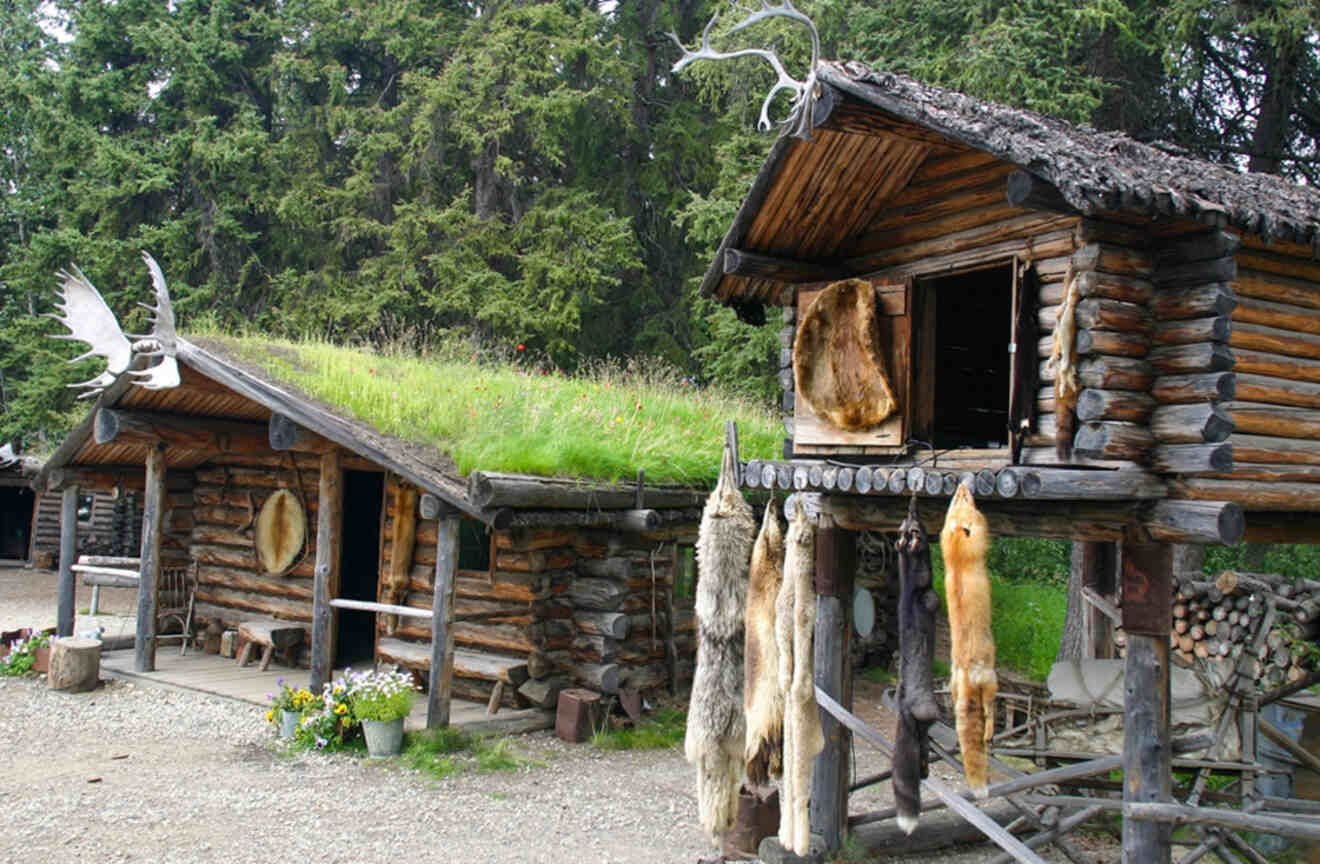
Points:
x=964 y=542
x=838 y=360
x=763 y=701
x=803 y=738
x=716 y=727
x=917 y=708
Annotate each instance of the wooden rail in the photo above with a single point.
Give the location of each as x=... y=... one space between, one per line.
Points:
x=387 y=608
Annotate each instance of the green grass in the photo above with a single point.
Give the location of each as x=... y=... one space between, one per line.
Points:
x=443 y=753
x=604 y=424
x=879 y=675
x=1027 y=616
x=662 y=730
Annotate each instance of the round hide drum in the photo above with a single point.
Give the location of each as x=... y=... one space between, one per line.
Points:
x=838 y=358
x=280 y=531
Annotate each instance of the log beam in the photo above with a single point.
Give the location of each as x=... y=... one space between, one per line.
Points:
x=329 y=539
x=1196 y=522
x=282 y=433
x=186 y=433
x=1029 y=191
x=153 y=518
x=754 y=265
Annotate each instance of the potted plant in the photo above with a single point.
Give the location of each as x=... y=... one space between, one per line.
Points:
x=380 y=700
x=331 y=723
x=288 y=706
x=28 y=653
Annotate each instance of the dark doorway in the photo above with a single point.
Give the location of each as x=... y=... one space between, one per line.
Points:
x=15 y=522
x=973 y=368
x=359 y=565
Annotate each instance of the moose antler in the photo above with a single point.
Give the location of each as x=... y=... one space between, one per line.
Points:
x=804 y=91
x=84 y=311
x=163 y=341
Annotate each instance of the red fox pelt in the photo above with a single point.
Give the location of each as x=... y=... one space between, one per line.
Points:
x=803 y=737
x=973 y=684
x=838 y=358
x=763 y=701
x=716 y=731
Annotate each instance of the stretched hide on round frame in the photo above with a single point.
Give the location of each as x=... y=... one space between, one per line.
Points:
x=838 y=361
x=280 y=531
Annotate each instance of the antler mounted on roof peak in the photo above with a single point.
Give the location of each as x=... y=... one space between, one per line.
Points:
x=804 y=91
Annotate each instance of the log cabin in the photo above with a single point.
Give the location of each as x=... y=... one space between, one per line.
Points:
x=998 y=250
x=17 y=506
x=293 y=513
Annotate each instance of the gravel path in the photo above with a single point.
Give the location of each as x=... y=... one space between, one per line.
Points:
x=136 y=772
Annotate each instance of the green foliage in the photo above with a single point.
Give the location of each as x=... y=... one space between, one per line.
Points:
x=1294 y=561
x=1028 y=559
x=448 y=751
x=663 y=730
x=22 y=655
x=503 y=416
x=380 y=696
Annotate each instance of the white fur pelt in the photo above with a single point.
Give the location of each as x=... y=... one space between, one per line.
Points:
x=803 y=738
x=763 y=700
x=716 y=728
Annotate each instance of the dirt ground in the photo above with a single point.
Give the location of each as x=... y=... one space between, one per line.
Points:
x=136 y=772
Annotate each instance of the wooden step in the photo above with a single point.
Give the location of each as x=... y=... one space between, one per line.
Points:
x=467 y=664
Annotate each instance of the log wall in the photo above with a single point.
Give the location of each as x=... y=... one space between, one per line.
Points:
x=115 y=527
x=225 y=501
x=576 y=606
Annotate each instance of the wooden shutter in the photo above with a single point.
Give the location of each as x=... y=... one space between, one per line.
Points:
x=1025 y=367
x=813 y=436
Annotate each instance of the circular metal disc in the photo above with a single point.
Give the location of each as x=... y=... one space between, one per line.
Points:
x=863 y=612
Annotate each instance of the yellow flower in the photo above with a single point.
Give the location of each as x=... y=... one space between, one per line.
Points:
x=270 y=716
x=341 y=708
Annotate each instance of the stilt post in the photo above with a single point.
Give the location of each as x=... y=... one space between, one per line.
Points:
x=153 y=521
x=325 y=584
x=1147 y=775
x=68 y=589
x=442 y=623
x=836 y=562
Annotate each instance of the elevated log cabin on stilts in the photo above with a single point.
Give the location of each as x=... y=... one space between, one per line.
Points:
x=1181 y=300
x=493 y=587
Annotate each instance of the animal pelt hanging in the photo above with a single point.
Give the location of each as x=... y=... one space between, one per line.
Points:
x=1063 y=360
x=964 y=542
x=803 y=738
x=716 y=726
x=763 y=701
x=838 y=358
x=402 y=540
x=917 y=708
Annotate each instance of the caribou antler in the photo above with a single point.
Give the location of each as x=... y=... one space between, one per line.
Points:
x=84 y=312
x=804 y=91
x=163 y=341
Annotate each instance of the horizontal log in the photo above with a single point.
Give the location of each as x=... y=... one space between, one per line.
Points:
x=1102 y=314
x=248 y=580
x=506 y=587
x=1264 y=285
x=185 y=432
x=1243 y=470
x=1107 y=373
x=611 y=624
x=1190 y=424
x=262 y=604
x=1199 y=357
x=494 y=490
x=258 y=479
x=1275 y=450
x=1251 y=494
x=603 y=677
x=1197 y=387
x=1276 y=365
x=1196 y=272
x=282 y=433
x=754 y=265
x=1059 y=484
x=1278 y=391
x=1094 y=404
x=1195 y=522
x=1192 y=330
x=602 y=595
x=528 y=540
x=1100 y=285
x=1112 y=259
x=1284 y=316
x=1194 y=301
x=1192 y=458
x=1272 y=340
x=1113 y=440
x=117 y=579
x=1254 y=418
x=230 y=556
x=1062 y=520
x=1199 y=247
x=1180 y=814
x=132 y=562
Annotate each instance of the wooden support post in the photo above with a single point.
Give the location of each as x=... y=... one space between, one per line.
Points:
x=441 y=681
x=1147 y=754
x=325 y=584
x=836 y=560
x=1097 y=565
x=153 y=521
x=67 y=591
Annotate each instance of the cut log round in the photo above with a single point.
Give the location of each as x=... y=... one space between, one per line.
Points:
x=75 y=664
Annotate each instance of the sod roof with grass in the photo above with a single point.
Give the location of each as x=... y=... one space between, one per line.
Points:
x=504 y=417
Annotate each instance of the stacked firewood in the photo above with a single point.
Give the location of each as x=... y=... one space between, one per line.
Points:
x=1219 y=618
x=877 y=572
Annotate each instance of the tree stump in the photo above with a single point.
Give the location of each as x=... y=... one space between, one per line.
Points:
x=75 y=664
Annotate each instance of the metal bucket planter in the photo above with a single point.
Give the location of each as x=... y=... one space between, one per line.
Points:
x=384 y=737
x=289 y=724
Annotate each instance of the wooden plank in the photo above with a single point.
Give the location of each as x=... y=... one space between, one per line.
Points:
x=153 y=516
x=67 y=590
x=440 y=682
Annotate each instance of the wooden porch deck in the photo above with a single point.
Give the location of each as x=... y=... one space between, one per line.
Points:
x=222 y=676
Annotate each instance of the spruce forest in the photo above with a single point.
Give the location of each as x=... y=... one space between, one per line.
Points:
x=380 y=172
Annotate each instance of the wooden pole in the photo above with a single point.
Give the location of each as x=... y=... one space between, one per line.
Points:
x=68 y=555
x=325 y=584
x=1147 y=609
x=153 y=520
x=442 y=624
x=1097 y=560
x=836 y=559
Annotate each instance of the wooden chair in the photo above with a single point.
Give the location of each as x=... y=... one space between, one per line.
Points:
x=175 y=598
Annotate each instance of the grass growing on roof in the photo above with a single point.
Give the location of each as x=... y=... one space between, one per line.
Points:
x=604 y=424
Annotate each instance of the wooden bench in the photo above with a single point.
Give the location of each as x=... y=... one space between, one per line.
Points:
x=106 y=571
x=271 y=635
